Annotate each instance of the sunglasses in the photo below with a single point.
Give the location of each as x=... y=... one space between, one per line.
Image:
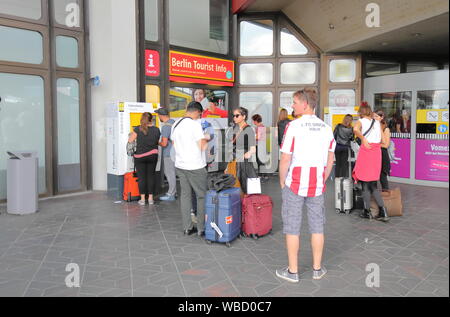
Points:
x=237 y=115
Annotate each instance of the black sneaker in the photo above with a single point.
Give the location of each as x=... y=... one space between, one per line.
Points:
x=190 y=232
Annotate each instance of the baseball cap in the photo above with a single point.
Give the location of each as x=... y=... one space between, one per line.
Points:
x=162 y=112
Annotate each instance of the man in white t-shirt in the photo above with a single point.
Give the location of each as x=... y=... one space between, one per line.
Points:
x=190 y=144
x=306 y=163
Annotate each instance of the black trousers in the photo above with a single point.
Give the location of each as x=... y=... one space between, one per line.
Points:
x=145 y=168
x=385 y=169
x=342 y=168
x=370 y=189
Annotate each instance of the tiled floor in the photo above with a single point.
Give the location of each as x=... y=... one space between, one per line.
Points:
x=128 y=250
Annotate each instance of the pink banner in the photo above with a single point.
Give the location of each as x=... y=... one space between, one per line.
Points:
x=401 y=166
x=432 y=160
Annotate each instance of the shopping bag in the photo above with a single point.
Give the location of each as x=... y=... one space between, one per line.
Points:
x=254 y=186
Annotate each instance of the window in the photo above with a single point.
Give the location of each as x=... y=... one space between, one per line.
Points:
x=381 y=68
x=256 y=38
x=290 y=45
x=67 y=52
x=258 y=103
x=200 y=24
x=287 y=100
x=153 y=94
x=342 y=71
x=298 y=73
x=68 y=113
x=256 y=74
x=397 y=107
x=22 y=122
x=19 y=46
x=67 y=12
x=414 y=67
x=151 y=20
x=342 y=98
x=29 y=9
x=432 y=99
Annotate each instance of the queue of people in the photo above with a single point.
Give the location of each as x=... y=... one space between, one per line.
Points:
x=372 y=162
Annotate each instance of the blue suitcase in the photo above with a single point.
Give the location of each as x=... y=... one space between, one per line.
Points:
x=223 y=216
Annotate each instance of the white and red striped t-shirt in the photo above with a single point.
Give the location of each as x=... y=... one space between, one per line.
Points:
x=309 y=140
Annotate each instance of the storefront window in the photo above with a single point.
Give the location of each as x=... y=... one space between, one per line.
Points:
x=381 y=68
x=23 y=46
x=200 y=24
x=214 y=102
x=342 y=98
x=22 y=122
x=67 y=52
x=151 y=20
x=290 y=45
x=256 y=74
x=343 y=71
x=258 y=103
x=68 y=111
x=298 y=73
x=432 y=99
x=397 y=108
x=29 y=9
x=256 y=38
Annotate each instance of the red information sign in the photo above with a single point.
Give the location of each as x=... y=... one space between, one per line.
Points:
x=200 y=67
x=152 y=63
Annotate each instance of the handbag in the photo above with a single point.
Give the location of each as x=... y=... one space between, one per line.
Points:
x=131 y=148
x=254 y=186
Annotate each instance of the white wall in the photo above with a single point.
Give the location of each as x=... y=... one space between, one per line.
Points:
x=113 y=51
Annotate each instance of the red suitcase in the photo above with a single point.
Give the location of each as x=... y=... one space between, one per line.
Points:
x=131 y=187
x=256 y=215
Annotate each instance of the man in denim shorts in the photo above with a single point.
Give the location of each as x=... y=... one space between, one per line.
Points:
x=306 y=163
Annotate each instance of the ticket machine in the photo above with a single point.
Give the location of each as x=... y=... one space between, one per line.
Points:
x=122 y=117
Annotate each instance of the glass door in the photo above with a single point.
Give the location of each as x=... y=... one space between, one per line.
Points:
x=397 y=107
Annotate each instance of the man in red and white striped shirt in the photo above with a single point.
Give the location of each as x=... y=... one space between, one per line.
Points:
x=306 y=163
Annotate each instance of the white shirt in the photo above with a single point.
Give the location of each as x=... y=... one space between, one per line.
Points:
x=185 y=137
x=309 y=140
x=374 y=136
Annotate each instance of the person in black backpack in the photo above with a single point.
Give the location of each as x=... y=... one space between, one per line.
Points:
x=343 y=134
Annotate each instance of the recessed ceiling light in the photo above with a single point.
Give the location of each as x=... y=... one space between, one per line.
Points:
x=331 y=26
x=417 y=34
x=384 y=44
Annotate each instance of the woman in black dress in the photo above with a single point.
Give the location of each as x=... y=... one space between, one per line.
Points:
x=343 y=134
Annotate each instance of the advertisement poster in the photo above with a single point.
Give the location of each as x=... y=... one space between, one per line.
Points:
x=401 y=166
x=432 y=160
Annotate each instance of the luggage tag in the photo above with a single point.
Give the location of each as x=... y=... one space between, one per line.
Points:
x=215 y=227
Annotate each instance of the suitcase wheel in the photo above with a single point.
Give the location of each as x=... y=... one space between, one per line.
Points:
x=228 y=244
x=208 y=242
x=255 y=237
x=243 y=235
x=338 y=211
x=348 y=212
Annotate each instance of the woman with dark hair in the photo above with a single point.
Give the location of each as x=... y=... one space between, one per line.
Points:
x=343 y=134
x=283 y=121
x=244 y=148
x=260 y=139
x=368 y=164
x=385 y=142
x=146 y=156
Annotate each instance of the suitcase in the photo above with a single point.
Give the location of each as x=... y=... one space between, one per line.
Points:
x=343 y=195
x=131 y=187
x=256 y=215
x=223 y=216
x=392 y=201
x=346 y=193
x=358 y=200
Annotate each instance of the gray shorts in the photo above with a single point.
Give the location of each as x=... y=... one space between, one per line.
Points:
x=292 y=213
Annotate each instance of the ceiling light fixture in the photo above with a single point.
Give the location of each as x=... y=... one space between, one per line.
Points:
x=331 y=26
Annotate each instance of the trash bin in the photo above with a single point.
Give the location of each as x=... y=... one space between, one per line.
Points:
x=22 y=183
